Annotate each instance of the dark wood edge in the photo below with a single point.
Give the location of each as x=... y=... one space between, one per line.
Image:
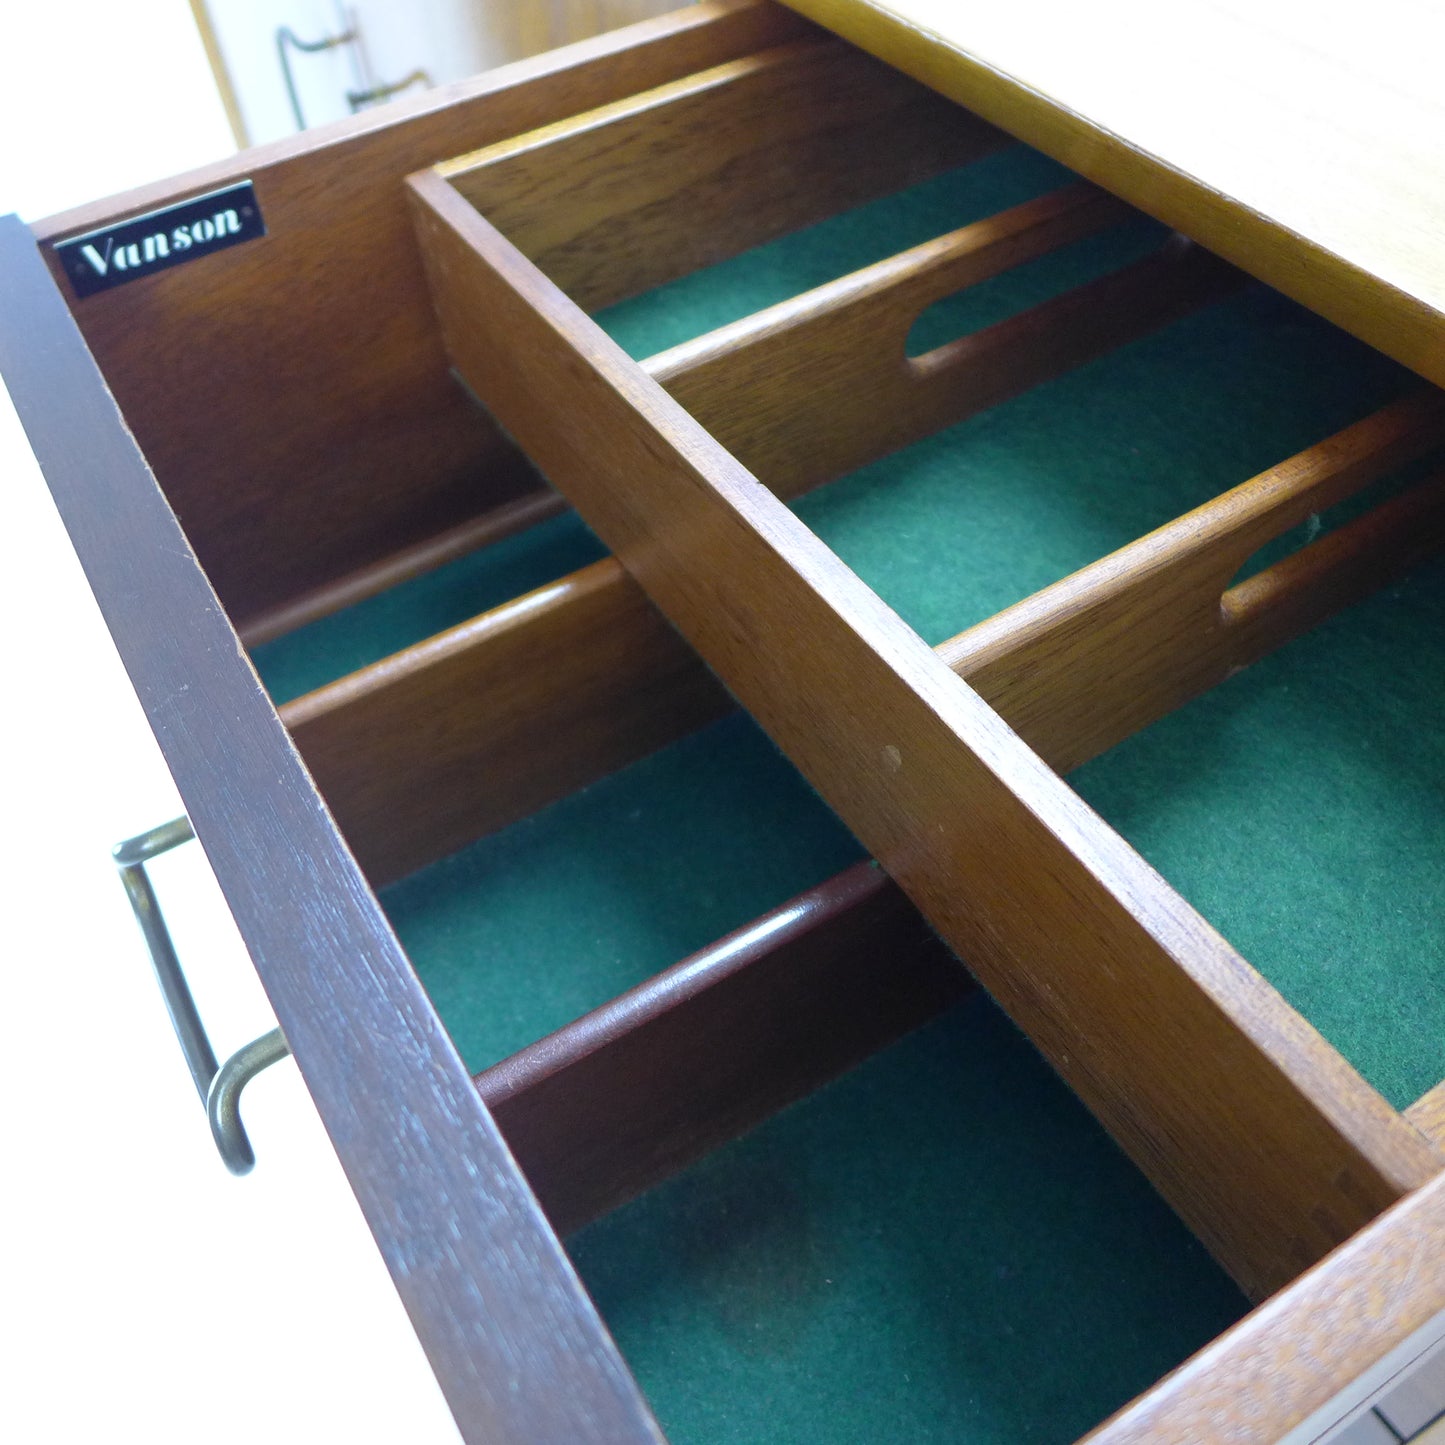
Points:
x=1294 y=1354
x=633 y=1092
x=517 y=1347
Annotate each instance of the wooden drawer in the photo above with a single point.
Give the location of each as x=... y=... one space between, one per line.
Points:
x=821 y=269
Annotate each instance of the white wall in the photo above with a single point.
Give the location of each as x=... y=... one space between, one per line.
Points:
x=448 y=38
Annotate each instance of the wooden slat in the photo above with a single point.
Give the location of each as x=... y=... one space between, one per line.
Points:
x=1081 y=665
x=292 y=394
x=370 y=581
x=406 y=793
x=634 y=1092
x=485 y=724
x=1268 y=1145
x=1292 y=1356
x=813 y=388
x=690 y=173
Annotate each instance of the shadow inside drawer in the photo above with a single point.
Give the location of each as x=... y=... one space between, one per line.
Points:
x=941 y=1246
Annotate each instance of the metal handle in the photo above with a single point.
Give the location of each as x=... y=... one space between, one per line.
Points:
x=218 y=1085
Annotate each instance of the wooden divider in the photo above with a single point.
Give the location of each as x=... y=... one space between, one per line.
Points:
x=1267 y=1144
x=415 y=770
x=636 y=1090
x=690 y=173
x=1081 y=665
x=817 y=386
x=291 y=394
x=484 y=724
x=1295 y=1354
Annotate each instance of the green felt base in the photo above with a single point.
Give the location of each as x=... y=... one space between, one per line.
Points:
x=1301 y=808
x=942 y=1246
x=365 y=633
x=532 y=927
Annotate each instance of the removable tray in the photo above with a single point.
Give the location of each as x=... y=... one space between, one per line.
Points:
x=1101 y=962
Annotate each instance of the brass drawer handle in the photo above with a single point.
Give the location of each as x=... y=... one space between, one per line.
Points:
x=219 y=1086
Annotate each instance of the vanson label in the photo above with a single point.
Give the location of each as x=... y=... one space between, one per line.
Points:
x=99 y=260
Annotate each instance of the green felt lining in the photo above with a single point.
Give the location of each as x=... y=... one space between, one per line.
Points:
x=423 y=606
x=532 y=927
x=1300 y=807
x=965 y=523
x=942 y=1246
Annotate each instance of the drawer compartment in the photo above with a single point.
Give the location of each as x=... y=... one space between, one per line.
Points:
x=1094 y=955
x=942 y=1246
x=963 y=479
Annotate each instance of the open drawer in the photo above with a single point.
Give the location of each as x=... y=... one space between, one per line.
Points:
x=1056 y=440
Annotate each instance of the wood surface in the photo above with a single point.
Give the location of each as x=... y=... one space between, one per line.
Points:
x=1267 y=1144
x=586 y=681
x=1293 y=1355
x=528 y=27
x=820 y=385
x=291 y=394
x=583 y=677
x=516 y=1345
x=630 y=1094
x=479 y=726
x=1427 y=1114
x=687 y=174
x=436 y=551
x=1302 y=142
x=1081 y=665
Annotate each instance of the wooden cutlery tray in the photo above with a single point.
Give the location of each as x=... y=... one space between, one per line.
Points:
x=692 y=499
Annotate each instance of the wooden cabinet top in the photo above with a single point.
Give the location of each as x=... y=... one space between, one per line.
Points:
x=1303 y=141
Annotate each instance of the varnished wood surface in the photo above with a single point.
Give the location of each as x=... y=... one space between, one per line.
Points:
x=630 y=1094
x=517 y=1347
x=479 y=726
x=1302 y=142
x=433 y=747
x=1083 y=664
x=435 y=551
x=687 y=174
x=291 y=393
x=1293 y=1355
x=1260 y=1136
x=815 y=387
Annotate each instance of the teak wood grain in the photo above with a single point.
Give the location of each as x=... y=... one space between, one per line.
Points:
x=517 y=1347
x=633 y=1092
x=1300 y=142
x=584 y=677
x=291 y=394
x=815 y=387
x=1266 y=1143
x=1293 y=1355
x=691 y=173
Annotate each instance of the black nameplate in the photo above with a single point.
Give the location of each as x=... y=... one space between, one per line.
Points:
x=99 y=260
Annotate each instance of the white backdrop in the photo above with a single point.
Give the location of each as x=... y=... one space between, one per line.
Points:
x=146 y=1295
